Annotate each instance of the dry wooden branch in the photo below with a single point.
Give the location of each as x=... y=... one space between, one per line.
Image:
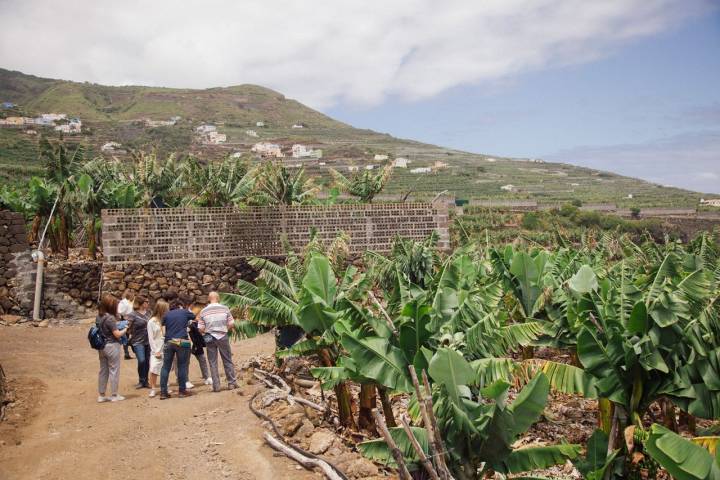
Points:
x=419 y=451
x=385 y=315
x=278 y=379
x=443 y=468
x=303 y=383
x=306 y=462
x=267 y=382
x=396 y=453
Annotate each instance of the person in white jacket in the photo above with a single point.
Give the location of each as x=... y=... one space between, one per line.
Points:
x=125 y=308
x=157 y=340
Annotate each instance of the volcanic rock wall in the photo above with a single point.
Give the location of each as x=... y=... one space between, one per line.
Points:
x=13 y=246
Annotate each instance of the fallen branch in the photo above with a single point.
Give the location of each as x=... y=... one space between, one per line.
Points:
x=278 y=379
x=303 y=383
x=396 y=453
x=306 y=462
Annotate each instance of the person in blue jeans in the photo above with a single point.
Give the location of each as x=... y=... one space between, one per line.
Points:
x=177 y=345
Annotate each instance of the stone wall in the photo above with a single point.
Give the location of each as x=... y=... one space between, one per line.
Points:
x=184 y=234
x=13 y=245
x=196 y=279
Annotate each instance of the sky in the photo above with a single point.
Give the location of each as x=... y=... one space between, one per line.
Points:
x=630 y=86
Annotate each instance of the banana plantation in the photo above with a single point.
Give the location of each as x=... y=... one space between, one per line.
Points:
x=463 y=352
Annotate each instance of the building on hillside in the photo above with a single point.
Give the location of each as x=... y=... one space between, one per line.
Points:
x=710 y=202
x=298 y=125
x=491 y=160
x=421 y=170
x=440 y=165
x=236 y=155
x=265 y=149
x=7 y=105
x=400 y=162
x=630 y=196
x=73 y=126
x=379 y=157
x=205 y=128
x=31 y=132
x=161 y=123
x=508 y=188
x=53 y=117
x=14 y=121
x=259 y=124
x=214 y=138
x=353 y=168
x=369 y=167
x=111 y=147
x=251 y=133
x=301 y=151
x=536 y=160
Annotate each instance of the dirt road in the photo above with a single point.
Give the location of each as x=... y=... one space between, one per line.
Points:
x=59 y=431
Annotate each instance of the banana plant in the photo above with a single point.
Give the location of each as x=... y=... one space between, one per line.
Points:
x=478 y=425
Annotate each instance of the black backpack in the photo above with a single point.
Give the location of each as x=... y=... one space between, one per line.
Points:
x=95 y=337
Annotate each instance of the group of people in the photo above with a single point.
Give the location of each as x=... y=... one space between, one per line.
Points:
x=162 y=340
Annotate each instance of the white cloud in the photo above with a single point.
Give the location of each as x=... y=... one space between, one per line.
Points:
x=323 y=51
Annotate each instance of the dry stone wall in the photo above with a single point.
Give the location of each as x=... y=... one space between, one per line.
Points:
x=180 y=234
x=13 y=247
x=195 y=279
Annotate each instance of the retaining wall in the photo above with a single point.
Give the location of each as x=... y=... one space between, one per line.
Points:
x=13 y=244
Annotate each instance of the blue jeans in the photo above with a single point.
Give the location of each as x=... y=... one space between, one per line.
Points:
x=183 y=361
x=142 y=354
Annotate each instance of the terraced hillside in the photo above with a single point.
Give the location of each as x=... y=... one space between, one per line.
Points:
x=120 y=114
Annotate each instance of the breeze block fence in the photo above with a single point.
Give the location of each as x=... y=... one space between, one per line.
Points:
x=196 y=251
x=200 y=234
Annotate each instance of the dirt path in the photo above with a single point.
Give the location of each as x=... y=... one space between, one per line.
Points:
x=59 y=431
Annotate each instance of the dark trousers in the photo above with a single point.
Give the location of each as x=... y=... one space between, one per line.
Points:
x=170 y=351
x=142 y=354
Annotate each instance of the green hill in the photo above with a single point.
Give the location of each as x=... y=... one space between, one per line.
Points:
x=118 y=114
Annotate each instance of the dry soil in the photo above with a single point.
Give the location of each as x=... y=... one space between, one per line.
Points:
x=57 y=430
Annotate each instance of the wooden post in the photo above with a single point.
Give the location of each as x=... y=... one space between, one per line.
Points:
x=396 y=453
x=420 y=453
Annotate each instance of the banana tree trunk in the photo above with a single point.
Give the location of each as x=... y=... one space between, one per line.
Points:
x=63 y=233
x=35 y=229
x=368 y=402
x=91 y=245
x=387 y=408
x=341 y=392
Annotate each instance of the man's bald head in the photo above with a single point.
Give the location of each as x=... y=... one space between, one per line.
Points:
x=214 y=297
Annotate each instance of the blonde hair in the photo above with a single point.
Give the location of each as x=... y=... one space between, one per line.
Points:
x=161 y=308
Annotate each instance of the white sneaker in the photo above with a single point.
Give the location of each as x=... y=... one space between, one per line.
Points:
x=102 y=399
x=208 y=381
x=152 y=393
x=189 y=385
x=117 y=398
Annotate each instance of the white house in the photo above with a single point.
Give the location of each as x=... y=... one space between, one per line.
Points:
x=711 y=202
x=214 y=138
x=259 y=124
x=380 y=157
x=266 y=149
x=491 y=160
x=301 y=151
x=508 y=188
x=73 y=126
x=630 y=195
x=251 y=133
x=421 y=170
x=236 y=155
x=53 y=117
x=298 y=125
x=110 y=147
x=400 y=162
x=369 y=167
x=440 y=165
x=205 y=128
x=353 y=168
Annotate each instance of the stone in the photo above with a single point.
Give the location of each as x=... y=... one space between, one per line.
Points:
x=306 y=429
x=362 y=468
x=10 y=319
x=320 y=441
x=291 y=424
x=44 y=323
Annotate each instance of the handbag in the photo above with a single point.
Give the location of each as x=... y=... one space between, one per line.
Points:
x=207 y=338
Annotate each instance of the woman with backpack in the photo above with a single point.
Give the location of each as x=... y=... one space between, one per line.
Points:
x=156 y=340
x=106 y=322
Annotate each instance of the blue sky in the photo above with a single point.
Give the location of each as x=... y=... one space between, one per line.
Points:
x=650 y=108
x=630 y=86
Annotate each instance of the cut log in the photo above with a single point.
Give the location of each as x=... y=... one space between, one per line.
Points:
x=307 y=462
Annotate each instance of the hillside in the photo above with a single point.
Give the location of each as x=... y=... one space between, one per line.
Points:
x=119 y=114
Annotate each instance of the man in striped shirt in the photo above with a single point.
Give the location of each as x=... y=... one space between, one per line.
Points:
x=214 y=322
